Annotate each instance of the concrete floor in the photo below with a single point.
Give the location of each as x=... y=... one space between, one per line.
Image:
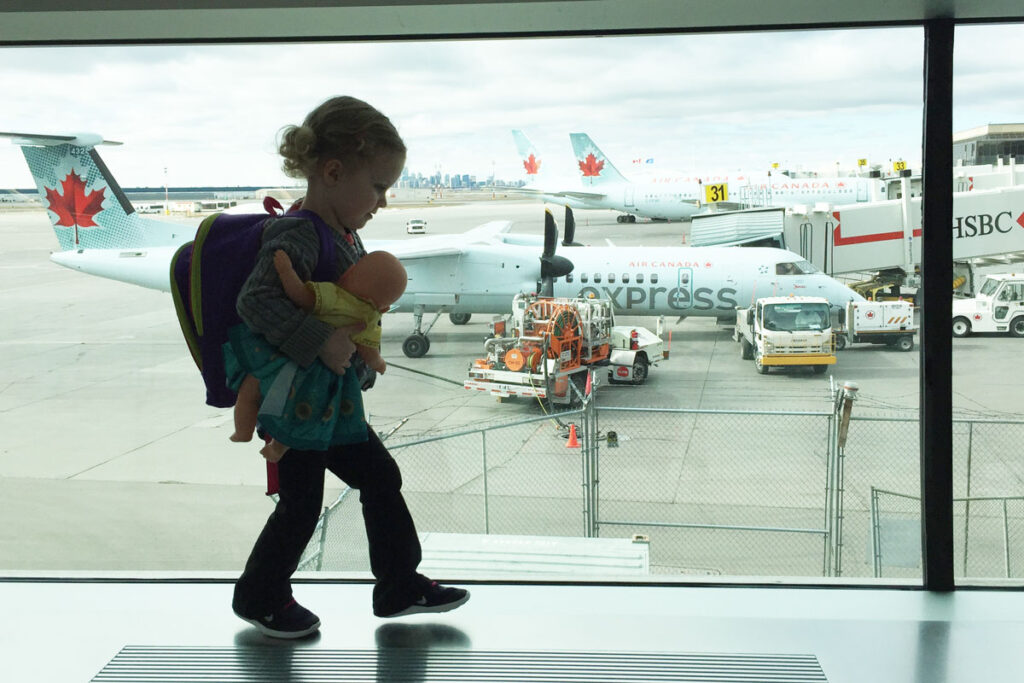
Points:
x=57 y=632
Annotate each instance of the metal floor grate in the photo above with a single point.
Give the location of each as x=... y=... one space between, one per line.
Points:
x=279 y=664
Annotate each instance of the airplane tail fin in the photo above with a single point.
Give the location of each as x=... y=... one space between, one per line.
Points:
x=595 y=167
x=85 y=204
x=528 y=154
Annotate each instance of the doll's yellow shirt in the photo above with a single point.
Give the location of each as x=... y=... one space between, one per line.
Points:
x=339 y=307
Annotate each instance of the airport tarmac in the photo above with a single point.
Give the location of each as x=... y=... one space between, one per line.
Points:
x=109 y=459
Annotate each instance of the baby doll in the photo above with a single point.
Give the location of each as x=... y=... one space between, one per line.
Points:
x=361 y=294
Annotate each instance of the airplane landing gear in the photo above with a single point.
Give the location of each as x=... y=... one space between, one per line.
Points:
x=416 y=345
x=626 y=218
x=459 y=318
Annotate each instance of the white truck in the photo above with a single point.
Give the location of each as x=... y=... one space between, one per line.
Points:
x=786 y=332
x=877 y=322
x=548 y=343
x=997 y=307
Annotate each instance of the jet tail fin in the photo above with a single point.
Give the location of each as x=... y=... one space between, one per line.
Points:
x=595 y=167
x=86 y=206
x=528 y=154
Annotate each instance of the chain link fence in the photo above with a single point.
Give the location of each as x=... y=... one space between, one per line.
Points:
x=988 y=498
x=707 y=492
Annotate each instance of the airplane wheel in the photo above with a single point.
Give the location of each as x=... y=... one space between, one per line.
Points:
x=459 y=318
x=907 y=343
x=1017 y=327
x=620 y=219
x=415 y=346
x=961 y=327
x=632 y=219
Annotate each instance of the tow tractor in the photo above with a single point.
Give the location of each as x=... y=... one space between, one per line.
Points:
x=548 y=343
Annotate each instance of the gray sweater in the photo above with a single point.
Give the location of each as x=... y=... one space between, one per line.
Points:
x=262 y=303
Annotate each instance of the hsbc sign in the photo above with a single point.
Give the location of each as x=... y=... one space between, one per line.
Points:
x=982 y=224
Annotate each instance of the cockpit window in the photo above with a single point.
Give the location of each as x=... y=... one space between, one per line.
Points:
x=795 y=268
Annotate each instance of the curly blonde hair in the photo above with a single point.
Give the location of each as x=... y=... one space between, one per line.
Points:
x=342 y=128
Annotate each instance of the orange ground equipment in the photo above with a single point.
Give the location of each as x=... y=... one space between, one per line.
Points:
x=550 y=343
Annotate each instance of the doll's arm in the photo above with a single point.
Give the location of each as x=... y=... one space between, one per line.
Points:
x=293 y=285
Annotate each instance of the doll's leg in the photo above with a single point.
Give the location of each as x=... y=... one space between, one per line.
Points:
x=293 y=285
x=274 y=450
x=372 y=357
x=247 y=406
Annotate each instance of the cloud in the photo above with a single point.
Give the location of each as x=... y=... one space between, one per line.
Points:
x=209 y=114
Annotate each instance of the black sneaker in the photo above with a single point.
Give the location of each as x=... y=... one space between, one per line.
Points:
x=291 y=621
x=434 y=598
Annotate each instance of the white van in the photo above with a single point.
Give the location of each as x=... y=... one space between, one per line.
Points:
x=416 y=227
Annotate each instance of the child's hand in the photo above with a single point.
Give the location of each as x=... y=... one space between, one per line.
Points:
x=336 y=353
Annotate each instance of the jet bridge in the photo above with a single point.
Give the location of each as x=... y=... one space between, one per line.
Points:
x=881 y=238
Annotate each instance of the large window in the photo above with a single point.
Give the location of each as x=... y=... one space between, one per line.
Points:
x=111 y=461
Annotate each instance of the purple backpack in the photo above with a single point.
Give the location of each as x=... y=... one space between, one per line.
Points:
x=207 y=275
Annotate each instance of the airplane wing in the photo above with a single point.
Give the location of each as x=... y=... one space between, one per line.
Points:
x=583 y=195
x=442 y=245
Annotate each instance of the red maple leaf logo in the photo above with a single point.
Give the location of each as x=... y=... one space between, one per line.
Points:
x=75 y=207
x=591 y=166
x=532 y=165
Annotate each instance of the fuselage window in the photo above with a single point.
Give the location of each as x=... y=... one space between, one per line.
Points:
x=639 y=278
x=568 y=277
x=597 y=277
x=611 y=278
x=583 y=277
x=654 y=278
x=625 y=278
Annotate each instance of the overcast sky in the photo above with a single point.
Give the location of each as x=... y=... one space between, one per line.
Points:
x=209 y=114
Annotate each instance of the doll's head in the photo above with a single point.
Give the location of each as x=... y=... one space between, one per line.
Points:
x=378 y=277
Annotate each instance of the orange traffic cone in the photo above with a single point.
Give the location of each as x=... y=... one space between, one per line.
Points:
x=573 y=441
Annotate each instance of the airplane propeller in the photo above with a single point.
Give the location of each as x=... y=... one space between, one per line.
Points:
x=570 y=229
x=551 y=265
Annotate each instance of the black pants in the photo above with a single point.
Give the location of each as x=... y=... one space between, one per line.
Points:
x=394 y=546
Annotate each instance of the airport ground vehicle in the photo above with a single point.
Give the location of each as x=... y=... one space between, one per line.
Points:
x=877 y=322
x=786 y=331
x=548 y=343
x=416 y=226
x=997 y=307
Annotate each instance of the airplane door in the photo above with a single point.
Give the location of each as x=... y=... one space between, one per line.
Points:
x=627 y=197
x=684 y=289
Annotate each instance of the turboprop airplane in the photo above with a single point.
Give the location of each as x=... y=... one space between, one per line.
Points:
x=474 y=272
x=677 y=198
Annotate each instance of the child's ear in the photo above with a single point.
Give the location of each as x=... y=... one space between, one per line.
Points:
x=332 y=171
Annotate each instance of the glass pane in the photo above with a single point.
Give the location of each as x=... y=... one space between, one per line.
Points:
x=111 y=460
x=988 y=310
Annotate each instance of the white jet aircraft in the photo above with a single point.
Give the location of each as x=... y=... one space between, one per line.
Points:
x=679 y=198
x=544 y=184
x=474 y=272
